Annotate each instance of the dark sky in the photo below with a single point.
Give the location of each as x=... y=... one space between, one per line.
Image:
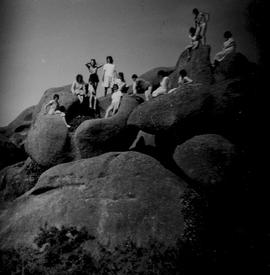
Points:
x=45 y=43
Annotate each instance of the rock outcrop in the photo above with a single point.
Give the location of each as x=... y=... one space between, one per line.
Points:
x=95 y=137
x=115 y=196
x=18 y=178
x=17 y=130
x=234 y=65
x=208 y=160
x=198 y=67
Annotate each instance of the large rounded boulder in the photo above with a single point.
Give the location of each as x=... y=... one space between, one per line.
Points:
x=98 y=136
x=116 y=196
x=208 y=160
x=48 y=142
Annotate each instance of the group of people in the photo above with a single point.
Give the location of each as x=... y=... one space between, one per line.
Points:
x=116 y=81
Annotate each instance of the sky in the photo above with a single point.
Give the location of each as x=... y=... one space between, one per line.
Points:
x=45 y=43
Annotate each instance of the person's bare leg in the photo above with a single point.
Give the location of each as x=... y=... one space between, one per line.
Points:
x=108 y=111
x=64 y=119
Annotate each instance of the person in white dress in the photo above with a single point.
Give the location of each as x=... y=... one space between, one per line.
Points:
x=229 y=46
x=78 y=88
x=116 y=99
x=164 y=84
x=109 y=74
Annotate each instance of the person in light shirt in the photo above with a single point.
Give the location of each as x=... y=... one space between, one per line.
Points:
x=164 y=84
x=116 y=99
x=229 y=46
x=109 y=74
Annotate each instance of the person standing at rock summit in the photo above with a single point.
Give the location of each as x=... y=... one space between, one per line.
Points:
x=109 y=74
x=200 y=20
x=93 y=68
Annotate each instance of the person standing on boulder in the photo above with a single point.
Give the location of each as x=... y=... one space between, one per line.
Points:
x=78 y=88
x=93 y=69
x=200 y=20
x=229 y=46
x=116 y=99
x=55 y=108
x=109 y=73
x=164 y=84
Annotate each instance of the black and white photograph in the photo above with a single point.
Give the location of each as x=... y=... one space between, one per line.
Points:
x=130 y=137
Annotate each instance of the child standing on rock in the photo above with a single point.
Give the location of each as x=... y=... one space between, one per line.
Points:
x=116 y=99
x=55 y=108
x=109 y=73
x=200 y=20
x=93 y=68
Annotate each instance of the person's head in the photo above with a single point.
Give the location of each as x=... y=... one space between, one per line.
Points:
x=227 y=34
x=121 y=76
x=56 y=97
x=115 y=88
x=161 y=74
x=79 y=78
x=109 y=59
x=183 y=73
x=93 y=62
x=134 y=77
x=192 y=31
x=195 y=12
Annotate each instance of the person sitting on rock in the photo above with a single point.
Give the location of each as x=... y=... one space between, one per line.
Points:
x=140 y=85
x=229 y=46
x=92 y=96
x=55 y=108
x=195 y=41
x=116 y=99
x=109 y=73
x=183 y=80
x=93 y=68
x=200 y=20
x=120 y=81
x=164 y=84
x=78 y=88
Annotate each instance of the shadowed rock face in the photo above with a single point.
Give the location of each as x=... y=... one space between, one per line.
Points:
x=115 y=195
x=233 y=65
x=208 y=160
x=198 y=67
x=94 y=137
x=17 y=130
x=16 y=179
x=9 y=152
